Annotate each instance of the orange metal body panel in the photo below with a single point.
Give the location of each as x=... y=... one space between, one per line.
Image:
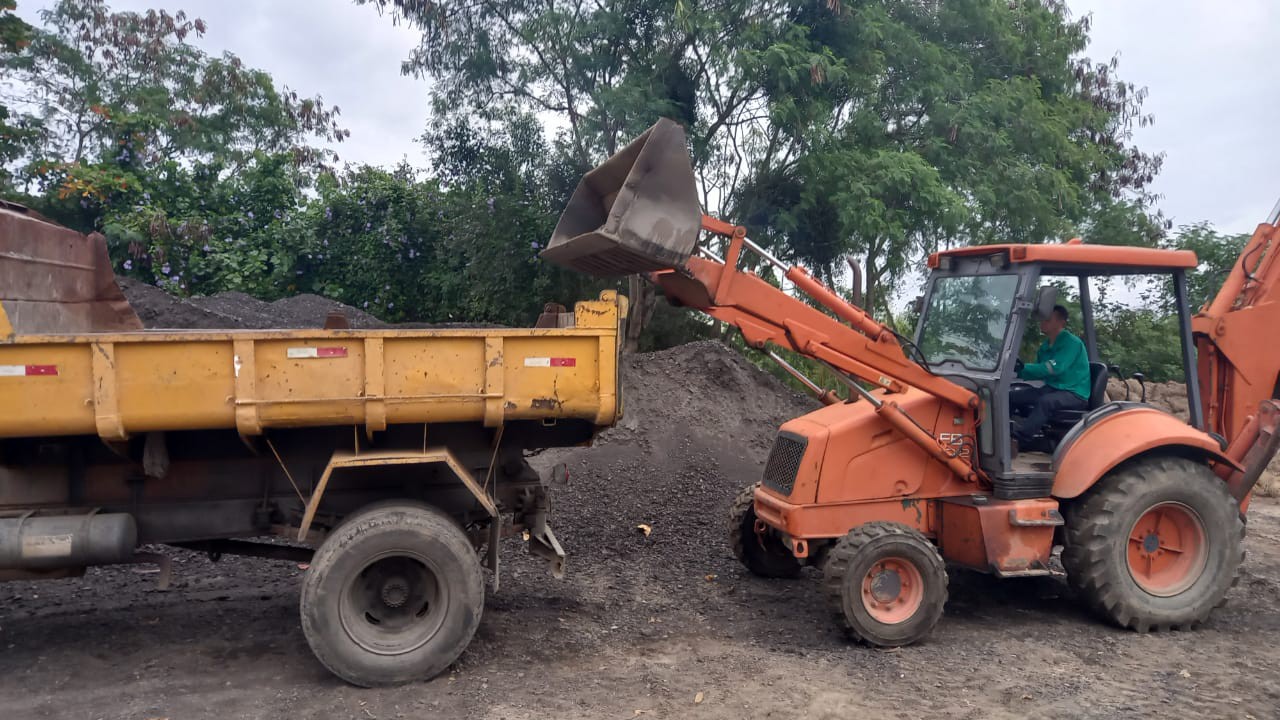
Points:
x=1233 y=334
x=833 y=520
x=857 y=468
x=1115 y=256
x=1123 y=435
x=1005 y=537
x=854 y=455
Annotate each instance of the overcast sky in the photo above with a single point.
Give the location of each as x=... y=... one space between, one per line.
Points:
x=1210 y=68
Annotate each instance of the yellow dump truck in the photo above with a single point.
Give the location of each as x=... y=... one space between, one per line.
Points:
x=390 y=460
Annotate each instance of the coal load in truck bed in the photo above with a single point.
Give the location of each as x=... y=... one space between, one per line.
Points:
x=238 y=311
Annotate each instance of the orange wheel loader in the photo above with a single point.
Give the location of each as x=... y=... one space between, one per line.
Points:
x=915 y=470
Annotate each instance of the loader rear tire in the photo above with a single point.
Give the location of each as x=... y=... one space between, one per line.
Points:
x=887 y=584
x=1155 y=545
x=393 y=595
x=763 y=554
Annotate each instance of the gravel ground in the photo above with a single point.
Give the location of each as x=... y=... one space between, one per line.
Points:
x=663 y=626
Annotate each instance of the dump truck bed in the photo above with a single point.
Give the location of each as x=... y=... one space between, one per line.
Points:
x=118 y=384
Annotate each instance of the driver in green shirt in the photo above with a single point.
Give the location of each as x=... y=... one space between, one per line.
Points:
x=1063 y=364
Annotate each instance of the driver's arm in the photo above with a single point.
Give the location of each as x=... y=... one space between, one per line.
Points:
x=1054 y=366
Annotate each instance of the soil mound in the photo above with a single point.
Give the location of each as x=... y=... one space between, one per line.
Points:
x=699 y=421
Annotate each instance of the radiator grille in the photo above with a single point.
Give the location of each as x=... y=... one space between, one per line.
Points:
x=784 y=462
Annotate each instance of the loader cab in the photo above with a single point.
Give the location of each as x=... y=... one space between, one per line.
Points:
x=981 y=303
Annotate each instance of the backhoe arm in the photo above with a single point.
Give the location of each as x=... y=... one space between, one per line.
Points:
x=1238 y=369
x=864 y=349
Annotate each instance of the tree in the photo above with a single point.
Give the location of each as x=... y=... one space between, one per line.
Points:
x=18 y=131
x=873 y=127
x=199 y=229
x=128 y=89
x=1217 y=252
x=953 y=123
x=607 y=70
x=183 y=160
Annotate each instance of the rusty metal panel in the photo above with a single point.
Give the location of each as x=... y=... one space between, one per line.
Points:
x=56 y=280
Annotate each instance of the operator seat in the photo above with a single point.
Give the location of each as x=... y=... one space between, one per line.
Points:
x=1065 y=419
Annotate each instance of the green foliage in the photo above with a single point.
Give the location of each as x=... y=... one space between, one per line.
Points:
x=127 y=88
x=201 y=175
x=1140 y=340
x=874 y=128
x=671 y=326
x=198 y=230
x=394 y=242
x=18 y=130
x=1218 y=253
x=122 y=109
x=943 y=124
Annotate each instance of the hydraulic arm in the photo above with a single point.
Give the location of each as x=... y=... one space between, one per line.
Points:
x=1239 y=373
x=864 y=349
x=638 y=213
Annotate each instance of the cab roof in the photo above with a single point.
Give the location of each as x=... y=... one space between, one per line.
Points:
x=1076 y=258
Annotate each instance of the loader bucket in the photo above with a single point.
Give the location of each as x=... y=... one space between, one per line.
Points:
x=637 y=212
x=56 y=280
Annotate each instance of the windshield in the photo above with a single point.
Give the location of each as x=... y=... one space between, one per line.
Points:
x=966 y=320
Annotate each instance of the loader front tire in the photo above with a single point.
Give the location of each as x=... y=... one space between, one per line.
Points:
x=1155 y=545
x=763 y=554
x=393 y=595
x=887 y=584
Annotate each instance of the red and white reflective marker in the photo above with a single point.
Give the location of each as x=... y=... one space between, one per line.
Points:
x=550 y=362
x=316 y=352
x=27 y=370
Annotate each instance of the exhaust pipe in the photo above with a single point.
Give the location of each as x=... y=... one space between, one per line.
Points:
x=637 y=212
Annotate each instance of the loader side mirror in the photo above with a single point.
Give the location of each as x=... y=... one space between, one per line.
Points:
x=1114 y=371
x=1142 y=383
x=1046 y=298
x=918 y=304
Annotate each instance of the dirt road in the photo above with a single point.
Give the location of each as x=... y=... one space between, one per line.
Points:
x=606 y=644
x=641 y=626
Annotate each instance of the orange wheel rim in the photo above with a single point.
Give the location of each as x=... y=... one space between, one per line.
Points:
x=1167 y=549
x=892 y=590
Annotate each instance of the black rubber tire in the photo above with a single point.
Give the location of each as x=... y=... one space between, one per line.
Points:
x=396 y=530
x=765 y=555
x=1095 y=554
x=853 y=556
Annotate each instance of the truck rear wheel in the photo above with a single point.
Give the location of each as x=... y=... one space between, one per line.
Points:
x=1155 y=545
x=887 y=582
x=763 y=554
x=394 y=594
